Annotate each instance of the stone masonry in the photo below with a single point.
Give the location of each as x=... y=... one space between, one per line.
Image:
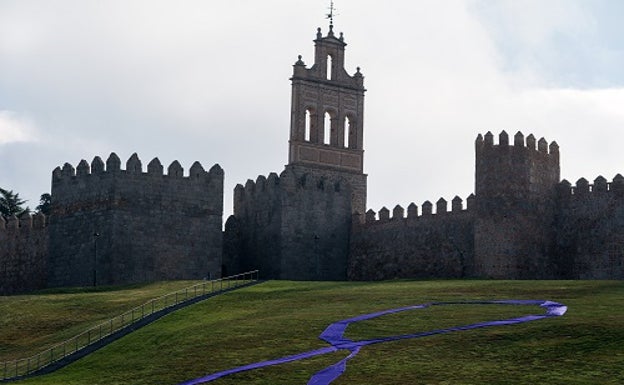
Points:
x=23 y=253
x=310 y=221
x=298 y=225
x=523 y=223
x=149 y=225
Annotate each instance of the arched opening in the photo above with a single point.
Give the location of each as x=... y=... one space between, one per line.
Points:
x=329 y=67
x=308 y=125
x=327 y=129
x=347 y=130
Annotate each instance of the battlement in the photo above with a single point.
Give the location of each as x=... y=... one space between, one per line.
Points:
x=583 y=189
x=261 y=185
x=25 y=222
x=509 y=174
x=309 y=181
x=539 y=146
x=398 y=213
x=133 y=168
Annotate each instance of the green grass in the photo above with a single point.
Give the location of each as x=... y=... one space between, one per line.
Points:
x=31 y=323
x=277 y=318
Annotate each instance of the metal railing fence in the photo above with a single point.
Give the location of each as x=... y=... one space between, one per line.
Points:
x=26 y=366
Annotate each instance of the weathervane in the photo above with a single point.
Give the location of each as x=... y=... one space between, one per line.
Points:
x=331 y=14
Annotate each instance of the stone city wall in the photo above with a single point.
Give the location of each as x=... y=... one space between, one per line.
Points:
x=429 y=245
x=23 y=253
x=590 y=229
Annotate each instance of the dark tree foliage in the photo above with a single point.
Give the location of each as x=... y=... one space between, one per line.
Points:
x=45 y=202
x=11 y=204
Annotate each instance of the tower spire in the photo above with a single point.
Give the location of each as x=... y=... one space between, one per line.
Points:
x=331 y=15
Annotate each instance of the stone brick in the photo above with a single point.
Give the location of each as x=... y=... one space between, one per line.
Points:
x=148 y=228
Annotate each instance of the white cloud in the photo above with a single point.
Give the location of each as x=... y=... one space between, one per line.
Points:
x=15 y=128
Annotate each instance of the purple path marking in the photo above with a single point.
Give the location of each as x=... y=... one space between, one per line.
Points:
x=334 y=335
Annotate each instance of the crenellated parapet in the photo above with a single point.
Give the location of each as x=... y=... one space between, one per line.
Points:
x=261 y=185
x=133 y=168
x=256 y=193
x=599 y=189
x=25 y=222
x=426 y=212
x=541 y=146
x=104 y=184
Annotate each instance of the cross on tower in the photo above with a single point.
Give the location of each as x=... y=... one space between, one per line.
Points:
x=331 y=14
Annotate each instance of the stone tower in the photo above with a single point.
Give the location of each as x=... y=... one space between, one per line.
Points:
x=297 y=225
x=515 y=186
x=113 y=226
x=327 y=117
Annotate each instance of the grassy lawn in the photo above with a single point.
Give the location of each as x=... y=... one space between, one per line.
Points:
x=32 y=323
x=277 y=318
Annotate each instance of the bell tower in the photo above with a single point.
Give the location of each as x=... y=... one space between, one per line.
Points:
x=298 y=225
x=327 y=116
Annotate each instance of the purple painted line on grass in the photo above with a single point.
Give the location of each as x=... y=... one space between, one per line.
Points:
x=334 y=335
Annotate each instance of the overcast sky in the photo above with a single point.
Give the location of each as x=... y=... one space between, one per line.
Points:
x=208 y=80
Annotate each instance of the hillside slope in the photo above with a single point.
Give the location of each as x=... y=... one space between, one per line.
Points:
x=279 y=318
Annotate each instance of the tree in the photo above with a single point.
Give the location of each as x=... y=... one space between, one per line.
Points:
x=45 y=202
x=11 y=204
